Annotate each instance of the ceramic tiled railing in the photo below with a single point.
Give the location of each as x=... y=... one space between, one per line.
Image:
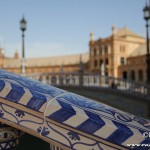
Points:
x=67 y=120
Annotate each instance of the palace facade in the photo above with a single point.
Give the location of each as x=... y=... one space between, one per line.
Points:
x=120 y=55
x=135 y=68
x=69 y=63
x=107 y=54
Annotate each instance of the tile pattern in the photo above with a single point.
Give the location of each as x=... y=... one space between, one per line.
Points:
x=66 y=119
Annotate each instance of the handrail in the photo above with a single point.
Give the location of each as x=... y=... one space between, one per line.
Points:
x=94 y=80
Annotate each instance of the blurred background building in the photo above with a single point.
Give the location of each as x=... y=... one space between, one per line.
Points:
x=111 y=55
x=120 y=55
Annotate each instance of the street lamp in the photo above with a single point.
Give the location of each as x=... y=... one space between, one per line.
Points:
x=146 y=11
x=23 y=25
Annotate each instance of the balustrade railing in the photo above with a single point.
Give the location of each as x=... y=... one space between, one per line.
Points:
x=65 y=120
x=94 y=80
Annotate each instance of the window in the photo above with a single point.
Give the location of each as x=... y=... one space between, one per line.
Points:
x=95 y=63
x=106 y=49
x=106 y=61
x=106 y=71
x=97 y=52
x=122 y=60
x=100 y=51
x=140 y=74
x=124 y=75
x=132 y=75
x=103 y=49
x=122 y=48
x=101 y=62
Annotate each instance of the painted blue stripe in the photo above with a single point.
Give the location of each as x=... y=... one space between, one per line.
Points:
x=2 y=85
x=64 y=113
x=65 y=105
x=15 y=94
x=61 y=115
x=121 y=134
x=36 y=101
x=92 y=124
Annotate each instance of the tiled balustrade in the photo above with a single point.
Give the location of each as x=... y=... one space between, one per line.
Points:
x=66 y=120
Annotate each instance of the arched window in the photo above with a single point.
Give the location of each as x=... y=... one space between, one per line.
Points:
x=140 y=74
x=101 y=62
x=133 y=75
x=124 y=75
x=106 y=71
x=122 y=60
x=106 y=61
x=95 y=63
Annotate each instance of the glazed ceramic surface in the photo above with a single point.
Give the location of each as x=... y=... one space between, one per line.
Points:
x=67 y=120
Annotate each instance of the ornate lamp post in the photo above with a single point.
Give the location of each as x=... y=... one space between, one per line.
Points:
x=23 y=25
x=146 y=11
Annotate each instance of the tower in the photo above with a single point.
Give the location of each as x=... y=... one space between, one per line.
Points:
x=114 y=30
x=16 y=55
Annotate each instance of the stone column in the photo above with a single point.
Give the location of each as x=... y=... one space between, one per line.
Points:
x=80 y=78
x=60 y=80
x=102 y=77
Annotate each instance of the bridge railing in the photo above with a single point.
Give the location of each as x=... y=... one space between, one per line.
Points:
x=94 y=80
x=65 y=120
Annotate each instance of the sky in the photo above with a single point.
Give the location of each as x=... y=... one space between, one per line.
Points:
x=62 y=27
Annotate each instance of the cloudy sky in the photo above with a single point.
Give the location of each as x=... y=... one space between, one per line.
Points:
x=60 y=27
